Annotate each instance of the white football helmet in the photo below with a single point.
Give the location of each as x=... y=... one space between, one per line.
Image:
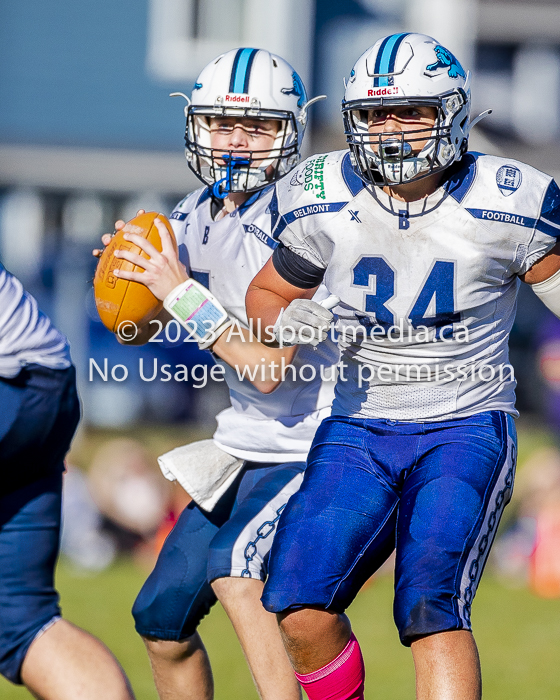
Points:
x=407 y=69
x=245 y=83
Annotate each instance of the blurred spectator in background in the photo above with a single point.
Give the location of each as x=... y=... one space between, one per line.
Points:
x=83 y=541
x=132 y=497
x=548 y=362
x=118 y=506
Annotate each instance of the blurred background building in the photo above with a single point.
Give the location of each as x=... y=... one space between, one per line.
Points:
x=88 y=134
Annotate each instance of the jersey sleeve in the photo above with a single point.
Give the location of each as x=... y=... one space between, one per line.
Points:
x=546 y=231
x=305 y=201
x=26 y=333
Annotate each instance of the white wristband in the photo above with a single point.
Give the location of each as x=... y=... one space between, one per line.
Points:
x=198 y=310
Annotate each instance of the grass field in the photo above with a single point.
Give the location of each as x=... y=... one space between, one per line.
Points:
x=518 y=636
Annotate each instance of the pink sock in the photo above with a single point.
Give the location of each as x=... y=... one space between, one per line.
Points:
x=341 y=679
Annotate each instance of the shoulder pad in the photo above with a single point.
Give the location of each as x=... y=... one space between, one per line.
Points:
x=189 y=203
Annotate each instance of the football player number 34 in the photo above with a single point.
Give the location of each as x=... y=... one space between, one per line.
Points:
x=438 y=292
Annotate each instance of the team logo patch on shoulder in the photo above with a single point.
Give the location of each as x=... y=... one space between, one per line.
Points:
x=179 y=215
x=508 y=179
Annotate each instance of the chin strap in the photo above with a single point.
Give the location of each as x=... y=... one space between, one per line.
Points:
x=221 y=190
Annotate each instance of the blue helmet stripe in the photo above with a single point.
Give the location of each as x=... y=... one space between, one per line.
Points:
x=234 y=69
x=241 y=70
x=248 y=71
x=396 y=47
x=387 y=57
x=376 y=70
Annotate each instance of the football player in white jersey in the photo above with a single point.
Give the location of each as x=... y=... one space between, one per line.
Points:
x=425 y=245
x=39 y=412
x=245 y=123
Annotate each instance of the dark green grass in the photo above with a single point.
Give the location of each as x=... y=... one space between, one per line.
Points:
x=518 y=637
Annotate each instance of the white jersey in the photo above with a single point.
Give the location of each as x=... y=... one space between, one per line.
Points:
x=27 y=336
x=224 y=256
x=428 y=290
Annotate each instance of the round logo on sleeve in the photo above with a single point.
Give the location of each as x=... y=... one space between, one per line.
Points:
x=508 y=179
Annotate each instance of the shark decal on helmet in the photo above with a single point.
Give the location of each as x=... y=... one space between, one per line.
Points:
x=297 y=89
x=445 y=59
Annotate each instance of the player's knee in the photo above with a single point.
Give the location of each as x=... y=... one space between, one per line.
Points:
x=306 y=623
x=146 y=611
x=15 y=641
x=170 y=606
x=419 y=614
x=230 y=589
x=154 y=621
x=171 y=652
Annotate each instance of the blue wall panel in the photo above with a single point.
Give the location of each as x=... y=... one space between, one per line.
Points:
x=73 y=73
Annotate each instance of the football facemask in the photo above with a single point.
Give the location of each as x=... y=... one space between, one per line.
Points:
x=239 y=170
x=398 y=157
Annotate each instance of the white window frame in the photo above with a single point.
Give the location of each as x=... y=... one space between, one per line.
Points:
x=284 y=27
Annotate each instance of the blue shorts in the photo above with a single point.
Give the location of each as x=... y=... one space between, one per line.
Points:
x=38 y=417
x=234 y=539
x=435 y=491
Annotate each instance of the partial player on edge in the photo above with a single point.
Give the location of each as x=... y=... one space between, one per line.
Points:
x=40 y=411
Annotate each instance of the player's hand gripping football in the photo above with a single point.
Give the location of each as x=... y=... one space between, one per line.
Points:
x=304 y=322
x=162 y=271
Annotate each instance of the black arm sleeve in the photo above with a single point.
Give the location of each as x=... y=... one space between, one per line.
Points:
x=295 y=269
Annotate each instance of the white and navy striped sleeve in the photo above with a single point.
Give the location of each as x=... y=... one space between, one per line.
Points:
x=546 y=231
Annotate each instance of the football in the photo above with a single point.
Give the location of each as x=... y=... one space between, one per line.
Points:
x=119 y=300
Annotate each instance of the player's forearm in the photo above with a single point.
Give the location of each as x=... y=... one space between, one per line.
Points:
x=241 y=350
x=268 y=294
x=264 y=307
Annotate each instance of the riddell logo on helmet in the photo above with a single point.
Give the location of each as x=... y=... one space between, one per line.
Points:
x=232 y=97
x=384 y=91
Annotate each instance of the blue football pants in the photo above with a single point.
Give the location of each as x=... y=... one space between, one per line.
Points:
x=434 y=491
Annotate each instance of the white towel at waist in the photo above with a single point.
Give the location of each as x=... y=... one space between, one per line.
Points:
x=203 y=470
